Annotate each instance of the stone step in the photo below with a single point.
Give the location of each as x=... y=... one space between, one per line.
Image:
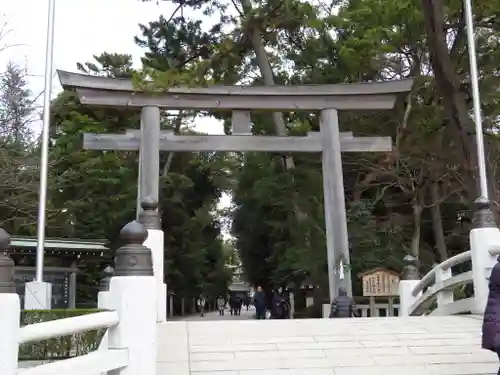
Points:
x=448 y=345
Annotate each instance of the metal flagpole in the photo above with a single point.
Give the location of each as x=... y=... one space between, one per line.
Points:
x=44 y=158
x=481 y=160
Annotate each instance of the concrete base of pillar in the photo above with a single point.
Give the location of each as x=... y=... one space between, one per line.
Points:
x=37 y=295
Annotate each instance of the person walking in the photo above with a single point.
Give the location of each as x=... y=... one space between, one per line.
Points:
x=232 y=304
x=247 y=302
x=237 y=307
x=201 y=305
x=491 y=318
x=342 y=306
x=280 y=308
x=221 y=304
x=260 y=303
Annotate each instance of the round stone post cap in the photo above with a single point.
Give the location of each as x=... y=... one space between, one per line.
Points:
x=134 y=233
x=133 y=258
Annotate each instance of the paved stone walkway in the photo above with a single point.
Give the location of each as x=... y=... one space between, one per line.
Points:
x=369 y=346
x=214 y=315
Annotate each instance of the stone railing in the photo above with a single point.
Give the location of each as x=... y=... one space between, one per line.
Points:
x=379 y=309
x=130 y=298
x=434 y=293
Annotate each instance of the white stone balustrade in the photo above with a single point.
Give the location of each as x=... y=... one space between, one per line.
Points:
x=129 y=347
x=417 y=296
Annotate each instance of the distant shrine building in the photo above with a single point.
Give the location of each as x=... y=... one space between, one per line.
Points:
x=63 y=257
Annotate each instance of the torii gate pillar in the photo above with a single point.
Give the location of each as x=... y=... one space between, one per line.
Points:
x=149 y=161
x=337 y=242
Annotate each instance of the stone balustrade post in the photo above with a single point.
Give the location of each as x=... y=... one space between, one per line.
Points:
x=445 y=296
x=483 y=236
x=409 y=279
x=133 y=294
x=104 y=302
x=10 y=311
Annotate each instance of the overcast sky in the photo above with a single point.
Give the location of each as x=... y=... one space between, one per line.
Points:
x=82 y=29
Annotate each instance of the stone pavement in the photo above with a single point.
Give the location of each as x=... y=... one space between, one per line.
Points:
x=370 y=346
x=214 y=315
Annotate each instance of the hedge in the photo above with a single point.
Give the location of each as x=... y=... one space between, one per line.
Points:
x=59 y=347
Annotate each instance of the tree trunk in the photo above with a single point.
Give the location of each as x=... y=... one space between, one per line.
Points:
x=437 y=221
x=448 y=84
x=267 y=75
x=418 y=207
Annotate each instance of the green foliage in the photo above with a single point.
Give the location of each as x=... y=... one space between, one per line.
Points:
x=97 y=190
x=18 y=153
x=407 y=200
x=59 y=347
x=398 y=202
x=92 y=181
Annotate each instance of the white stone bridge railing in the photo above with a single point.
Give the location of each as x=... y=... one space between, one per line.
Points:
x=434 y=293
x=94 y=362
x=129 y=315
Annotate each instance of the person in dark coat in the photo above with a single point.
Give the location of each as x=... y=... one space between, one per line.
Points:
x=237 y=306
x=342 y=306
x=280 y=308
x=260 y=303
x=232 y=304
x=246 y=302
x=491 y=319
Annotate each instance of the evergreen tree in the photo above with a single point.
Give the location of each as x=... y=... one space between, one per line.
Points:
x=96 y=190
x=403 y=201
x=18 y=153
x=17 y=111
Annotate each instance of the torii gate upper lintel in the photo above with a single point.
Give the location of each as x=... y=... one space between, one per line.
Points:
x=102 y=91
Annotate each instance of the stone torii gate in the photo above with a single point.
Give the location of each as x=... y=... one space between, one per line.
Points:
x=328 y=99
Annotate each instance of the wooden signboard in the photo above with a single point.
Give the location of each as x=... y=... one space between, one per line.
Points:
x=380 y=282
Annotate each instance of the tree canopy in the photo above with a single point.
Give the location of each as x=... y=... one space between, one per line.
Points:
x=415 y=199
